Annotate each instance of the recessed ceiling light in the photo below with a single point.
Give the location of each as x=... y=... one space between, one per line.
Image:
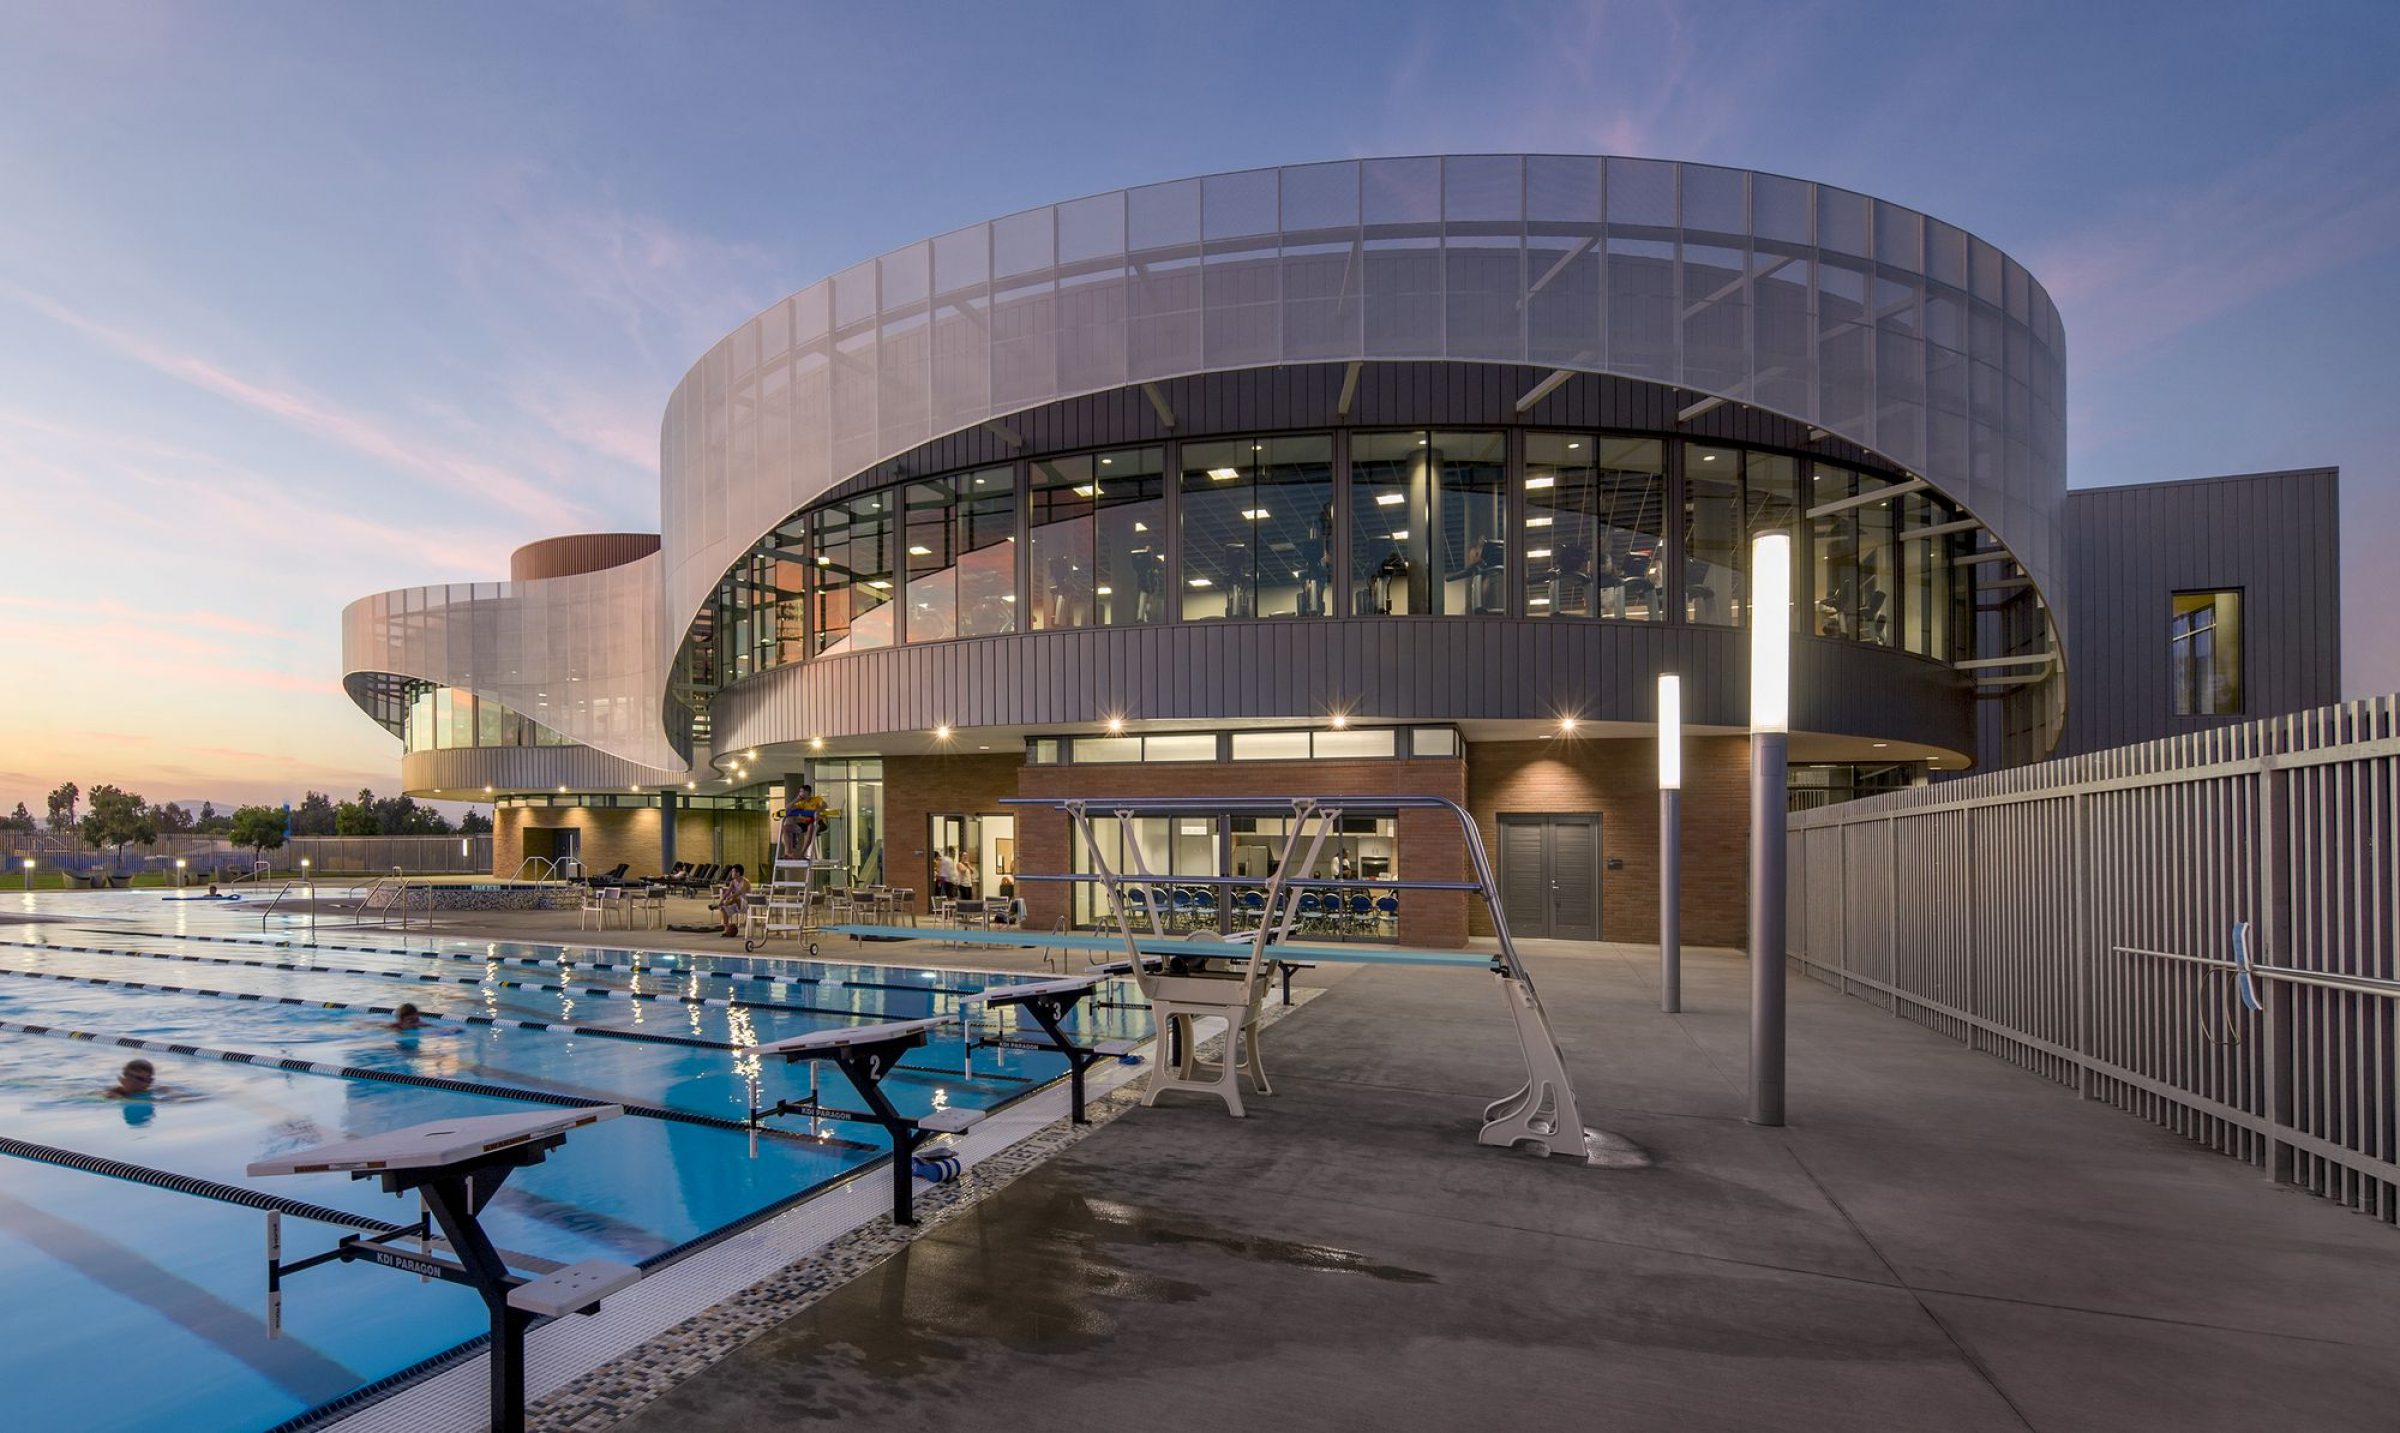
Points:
x=1534 y=484
x=1199 y=582
x=1390 y=500
x=1224 y=475
x=1105 y=462
x=1571 y=447
x=920 y=552
x=1881 y=745
x=1400 y=536
x=1254 y=514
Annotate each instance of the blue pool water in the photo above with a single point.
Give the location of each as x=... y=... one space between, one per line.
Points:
x=137 y=1307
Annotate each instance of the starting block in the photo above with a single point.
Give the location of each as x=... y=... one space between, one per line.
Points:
x=865 y=1054
x=457 y=1167
x=1048 y=1002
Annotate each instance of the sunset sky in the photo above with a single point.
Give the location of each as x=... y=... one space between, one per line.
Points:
x=303 y=301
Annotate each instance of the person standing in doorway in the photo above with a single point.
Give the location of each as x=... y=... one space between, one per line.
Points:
x=945 y=873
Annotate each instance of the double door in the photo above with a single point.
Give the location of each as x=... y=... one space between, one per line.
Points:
x=1550 y=875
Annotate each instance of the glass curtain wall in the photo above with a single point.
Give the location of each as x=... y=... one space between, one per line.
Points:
x=1713 y=560
x=1595 y=535
x=1098 y=531
x=1257 y=527
x=962 y=556
x=1428 y=523
x=444 y=718
x=1431 y=531
x=853 y=571
x=1771 y=503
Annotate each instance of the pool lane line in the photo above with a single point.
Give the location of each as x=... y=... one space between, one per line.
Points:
x=565 y=957
x=248 y=1198
x=427 y=1082
x=606 y=1031
x=427 y=978
x=295 y=1367
x=691 y=1042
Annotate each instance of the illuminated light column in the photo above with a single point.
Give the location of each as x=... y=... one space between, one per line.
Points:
x=1770 y=728
x=1670 y=843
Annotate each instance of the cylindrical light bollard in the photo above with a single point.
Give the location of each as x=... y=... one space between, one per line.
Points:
x=1770 y=726
x=1670 y=843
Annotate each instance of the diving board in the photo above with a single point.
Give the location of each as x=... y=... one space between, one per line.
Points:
x=1170 y=946
x=1542 y=1114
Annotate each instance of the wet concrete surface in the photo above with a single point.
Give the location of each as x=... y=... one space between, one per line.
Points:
x=1937 y=1241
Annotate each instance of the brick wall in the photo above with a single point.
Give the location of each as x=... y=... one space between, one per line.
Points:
x=917 y=788
x=1429 y=844
x=1619 y=780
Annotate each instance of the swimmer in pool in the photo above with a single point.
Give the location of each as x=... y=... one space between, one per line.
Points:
x=137 y=1081
x=407 y=1018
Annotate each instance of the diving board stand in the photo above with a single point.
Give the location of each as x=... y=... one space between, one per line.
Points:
x=1049 y=1002
x=865 y=1054
x=457 y=1167
x=1542 y=1114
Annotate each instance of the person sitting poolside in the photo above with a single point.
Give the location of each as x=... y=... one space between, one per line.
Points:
x=732 y=898
x=407 y=1017
x=137 y=1081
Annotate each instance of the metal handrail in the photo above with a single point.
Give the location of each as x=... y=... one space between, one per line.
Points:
x=2354 y=984
x=534 y=862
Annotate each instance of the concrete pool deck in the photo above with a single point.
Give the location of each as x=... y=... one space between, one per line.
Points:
x=1937 y=1240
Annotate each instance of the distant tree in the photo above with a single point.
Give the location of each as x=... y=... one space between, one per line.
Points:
x=19 y=820
x=211 y=821
x=402 y=816
x=258 y=827
x=356 y=818
x=474 y=823
x=118 y=818
x=171 y=819
x=314 y=816
x=62 y=806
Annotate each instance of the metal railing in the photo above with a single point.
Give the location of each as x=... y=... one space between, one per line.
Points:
x=2075 y=918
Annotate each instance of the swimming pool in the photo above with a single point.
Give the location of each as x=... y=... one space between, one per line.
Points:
x=143 y=1307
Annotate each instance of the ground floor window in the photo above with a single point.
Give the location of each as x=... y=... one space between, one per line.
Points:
x=1155 y=851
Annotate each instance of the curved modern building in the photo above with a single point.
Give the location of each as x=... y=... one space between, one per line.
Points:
x=1392 y=475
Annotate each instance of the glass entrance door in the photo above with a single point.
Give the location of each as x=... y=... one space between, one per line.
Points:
x=980 y=850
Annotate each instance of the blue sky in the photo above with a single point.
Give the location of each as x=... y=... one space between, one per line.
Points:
x=299 y=302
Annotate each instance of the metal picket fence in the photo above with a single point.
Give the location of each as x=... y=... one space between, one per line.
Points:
x=2077 y=918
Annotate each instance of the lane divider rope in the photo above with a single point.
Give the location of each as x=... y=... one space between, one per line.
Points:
x=423 y=1082
x=693 y=1042
x=429 y=978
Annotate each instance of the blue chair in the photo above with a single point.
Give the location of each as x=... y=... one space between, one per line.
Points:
x=1387 y=910
x=1254 y=904
x=1312 y=911
x=1182 y=906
